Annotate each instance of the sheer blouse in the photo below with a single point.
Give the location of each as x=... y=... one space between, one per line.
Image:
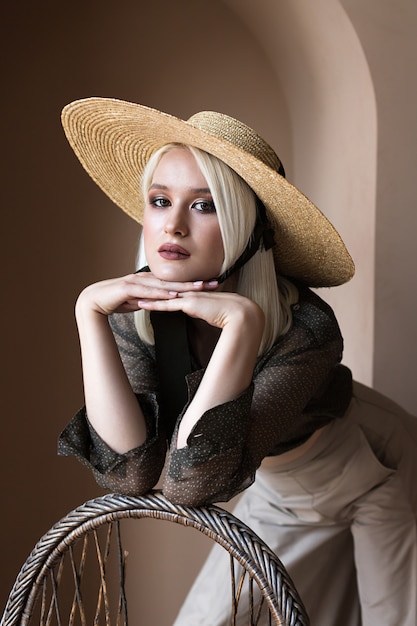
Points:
x=298 y=386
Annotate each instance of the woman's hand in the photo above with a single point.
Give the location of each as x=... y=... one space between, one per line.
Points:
x=123 y=295
x=216 y=308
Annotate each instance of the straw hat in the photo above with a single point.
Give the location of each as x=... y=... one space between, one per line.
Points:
x=114 y=139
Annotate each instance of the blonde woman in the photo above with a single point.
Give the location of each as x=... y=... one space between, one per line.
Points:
x=217 y=352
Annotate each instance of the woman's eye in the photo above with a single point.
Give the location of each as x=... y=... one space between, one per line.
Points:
x=205 y=206
x=159 y=202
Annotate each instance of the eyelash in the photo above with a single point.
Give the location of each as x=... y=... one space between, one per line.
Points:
x=209 y=204
x=210 y=207
x=154 y=202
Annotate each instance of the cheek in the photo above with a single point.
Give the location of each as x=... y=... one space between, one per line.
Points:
x=148 y=231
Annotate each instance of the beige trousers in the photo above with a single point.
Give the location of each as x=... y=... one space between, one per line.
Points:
x=342 y=518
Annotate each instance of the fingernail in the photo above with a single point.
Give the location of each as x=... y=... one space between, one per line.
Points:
x=173 y=293
x=213 y=283
x=198 y=283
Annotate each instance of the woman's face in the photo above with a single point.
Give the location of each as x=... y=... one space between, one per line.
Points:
x=180 y=227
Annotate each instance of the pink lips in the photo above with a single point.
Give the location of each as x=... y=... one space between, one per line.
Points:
x=172 y=252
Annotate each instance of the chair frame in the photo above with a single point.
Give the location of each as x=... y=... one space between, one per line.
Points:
x=263 y=566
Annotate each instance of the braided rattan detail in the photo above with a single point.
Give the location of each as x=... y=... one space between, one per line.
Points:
x=263 y=566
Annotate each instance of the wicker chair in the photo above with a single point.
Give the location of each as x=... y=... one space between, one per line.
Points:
x=36 y=595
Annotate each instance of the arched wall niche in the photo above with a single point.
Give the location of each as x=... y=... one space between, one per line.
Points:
x=387 y=32
x=325 y=80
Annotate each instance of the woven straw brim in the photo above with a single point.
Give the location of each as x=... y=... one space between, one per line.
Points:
x=114 y=140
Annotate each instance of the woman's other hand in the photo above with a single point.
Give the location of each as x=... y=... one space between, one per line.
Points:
x=124 y=294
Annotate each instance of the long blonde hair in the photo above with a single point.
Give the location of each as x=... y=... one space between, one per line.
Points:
x=235 y=204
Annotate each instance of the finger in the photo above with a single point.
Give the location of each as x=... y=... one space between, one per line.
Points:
x=206 y=285
x=151 y=281
x=159 y=305
x=150 y=289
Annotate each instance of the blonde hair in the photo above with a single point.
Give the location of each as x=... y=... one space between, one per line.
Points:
x=235 y=204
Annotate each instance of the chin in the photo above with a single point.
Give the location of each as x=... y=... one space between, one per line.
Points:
x=172 y=274
x=177 y=271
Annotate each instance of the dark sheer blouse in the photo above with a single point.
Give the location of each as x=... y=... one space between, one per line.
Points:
x=298 y=386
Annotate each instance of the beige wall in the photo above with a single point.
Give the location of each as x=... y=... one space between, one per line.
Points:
x=332 y=89
x=328 y=89
x=388 y=37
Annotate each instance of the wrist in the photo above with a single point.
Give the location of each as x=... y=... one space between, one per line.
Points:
x=87 y=310
x=249 y=317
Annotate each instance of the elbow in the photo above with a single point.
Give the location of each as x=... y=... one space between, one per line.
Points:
x=130 y=478
x=127 y=485
x=199 y=488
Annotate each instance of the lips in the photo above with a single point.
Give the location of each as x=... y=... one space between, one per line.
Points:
x=172 y=252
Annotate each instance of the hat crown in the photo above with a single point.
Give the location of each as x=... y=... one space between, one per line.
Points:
x=237 y=133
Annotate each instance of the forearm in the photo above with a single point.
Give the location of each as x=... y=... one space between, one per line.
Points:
x=230 y=370
x=111 y=404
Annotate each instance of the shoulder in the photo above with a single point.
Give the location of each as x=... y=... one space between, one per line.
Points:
x=314 y=335
x=309 y=350
x=316 y=316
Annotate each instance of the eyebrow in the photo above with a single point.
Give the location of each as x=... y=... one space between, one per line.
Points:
x=193 y=190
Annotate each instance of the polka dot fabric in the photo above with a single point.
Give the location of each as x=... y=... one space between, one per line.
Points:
x=298 y=387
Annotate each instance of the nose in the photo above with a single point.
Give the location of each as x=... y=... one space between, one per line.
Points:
x=176 y=221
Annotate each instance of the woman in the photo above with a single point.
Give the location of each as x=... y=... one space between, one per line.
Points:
x=218 y=352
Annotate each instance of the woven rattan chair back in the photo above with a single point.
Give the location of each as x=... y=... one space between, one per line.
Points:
x=36 y=595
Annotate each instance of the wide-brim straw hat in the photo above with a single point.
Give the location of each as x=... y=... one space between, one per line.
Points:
x=114 y=139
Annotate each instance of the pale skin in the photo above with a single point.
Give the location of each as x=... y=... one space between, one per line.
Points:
x=184 y=250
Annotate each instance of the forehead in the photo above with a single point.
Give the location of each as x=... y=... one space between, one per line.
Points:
x=178 y=164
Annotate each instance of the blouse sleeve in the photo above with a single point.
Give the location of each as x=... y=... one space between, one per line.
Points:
x=138 y=470
x=298 y=386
